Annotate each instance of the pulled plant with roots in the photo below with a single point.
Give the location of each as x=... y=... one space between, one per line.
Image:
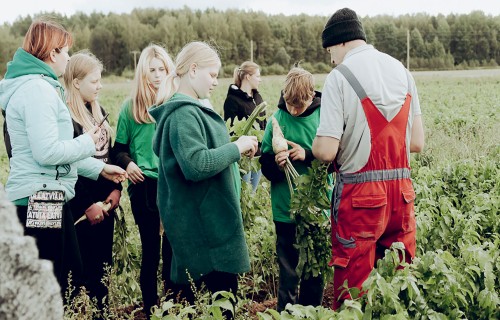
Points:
x=104 y=205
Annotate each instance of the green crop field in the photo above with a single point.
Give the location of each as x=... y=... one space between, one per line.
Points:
x=457 y=181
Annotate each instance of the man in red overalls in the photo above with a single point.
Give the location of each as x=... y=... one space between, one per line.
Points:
x=370 y=122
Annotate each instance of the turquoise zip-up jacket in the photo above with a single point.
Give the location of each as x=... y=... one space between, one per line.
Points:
x=198 y=190
x=44 y=154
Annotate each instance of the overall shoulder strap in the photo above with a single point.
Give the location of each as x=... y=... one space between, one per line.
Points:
x=408 y=79
x=353 y=81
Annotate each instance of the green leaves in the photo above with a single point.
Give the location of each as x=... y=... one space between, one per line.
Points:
x=309 y=208
x=247 y=126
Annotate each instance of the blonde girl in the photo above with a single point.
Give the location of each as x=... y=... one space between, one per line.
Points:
x=133 y=151
x=242 y=98
x=198 y=180
x=82 y=80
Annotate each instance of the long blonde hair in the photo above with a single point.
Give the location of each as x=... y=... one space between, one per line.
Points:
x=197 y=52
x=143 y=91
x=79 y=66
x=246 y=68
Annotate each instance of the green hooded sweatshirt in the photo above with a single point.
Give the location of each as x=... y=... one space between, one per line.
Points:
x=301 y=130
x=198 y=190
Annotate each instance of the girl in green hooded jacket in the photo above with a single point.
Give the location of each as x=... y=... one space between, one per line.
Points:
x=198 y=179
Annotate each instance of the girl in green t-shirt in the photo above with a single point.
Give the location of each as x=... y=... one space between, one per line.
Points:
x=133 y=151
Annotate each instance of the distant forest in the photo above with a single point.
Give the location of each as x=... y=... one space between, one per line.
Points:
x=278 y=41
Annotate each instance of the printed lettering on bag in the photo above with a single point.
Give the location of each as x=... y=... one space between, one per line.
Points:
x=45 y=209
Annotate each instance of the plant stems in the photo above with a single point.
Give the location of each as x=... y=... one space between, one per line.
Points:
x=290 y=166
x=249 y=123
x=291 y=174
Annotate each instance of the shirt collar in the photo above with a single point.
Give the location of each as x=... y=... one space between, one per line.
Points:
x=359 y=49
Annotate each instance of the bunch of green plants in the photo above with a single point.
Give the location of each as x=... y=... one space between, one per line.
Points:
x=121 y=278
x=260 y=282
x=436 y=285
x=77 y=303
x=248 y=126
x=309 y=209
x=206 y=306
x=351 y=312
x=253 y=204
x=126 y=259
x=457 y=204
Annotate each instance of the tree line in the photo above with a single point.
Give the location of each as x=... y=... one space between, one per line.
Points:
x=278 y=41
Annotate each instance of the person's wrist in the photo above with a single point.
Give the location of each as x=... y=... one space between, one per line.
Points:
x=240 y=148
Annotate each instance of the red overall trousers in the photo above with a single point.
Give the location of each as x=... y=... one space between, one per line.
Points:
x=373 y=207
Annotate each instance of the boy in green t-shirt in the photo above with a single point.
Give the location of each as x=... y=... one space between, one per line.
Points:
x=298 y=116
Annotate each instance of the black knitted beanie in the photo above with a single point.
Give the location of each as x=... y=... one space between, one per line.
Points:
x=343 y=26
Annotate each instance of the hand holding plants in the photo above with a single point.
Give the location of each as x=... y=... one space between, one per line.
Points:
x=247 y=145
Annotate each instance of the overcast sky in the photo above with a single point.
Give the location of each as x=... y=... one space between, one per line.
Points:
x=18 y=8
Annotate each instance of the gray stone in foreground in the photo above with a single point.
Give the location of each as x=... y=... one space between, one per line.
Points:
x=28 y=286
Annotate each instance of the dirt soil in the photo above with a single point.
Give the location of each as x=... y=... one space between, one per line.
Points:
x=251 y=308
x=255 y=306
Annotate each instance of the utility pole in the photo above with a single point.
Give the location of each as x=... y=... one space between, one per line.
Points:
x=408 y=49
x=251 y=50
x=135 y=53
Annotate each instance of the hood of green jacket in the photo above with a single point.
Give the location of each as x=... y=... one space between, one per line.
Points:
x=24 y=63
x=22 y=68
x=162 y=112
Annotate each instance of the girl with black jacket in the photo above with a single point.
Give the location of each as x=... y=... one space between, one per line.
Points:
x=94 y=199
x=242 y=98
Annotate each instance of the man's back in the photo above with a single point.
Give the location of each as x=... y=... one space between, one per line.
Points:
x=385 y=81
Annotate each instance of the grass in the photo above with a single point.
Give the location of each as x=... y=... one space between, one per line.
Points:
x=460 y=110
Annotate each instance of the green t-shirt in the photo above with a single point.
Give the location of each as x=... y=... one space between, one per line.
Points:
x=139 y=138
x=301 y=130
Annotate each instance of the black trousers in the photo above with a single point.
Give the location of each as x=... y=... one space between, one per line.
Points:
x=213 y=282
x=59 y=246
x=147 y=218
x=96 y=248
x=311 y=290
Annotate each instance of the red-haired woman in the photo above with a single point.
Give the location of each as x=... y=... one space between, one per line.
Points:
x=45 y=158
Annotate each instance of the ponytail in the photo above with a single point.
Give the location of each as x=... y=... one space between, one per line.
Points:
x=246 y=68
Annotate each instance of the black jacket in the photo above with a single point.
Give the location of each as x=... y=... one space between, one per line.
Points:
x=240 y=105
x=88 y=191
